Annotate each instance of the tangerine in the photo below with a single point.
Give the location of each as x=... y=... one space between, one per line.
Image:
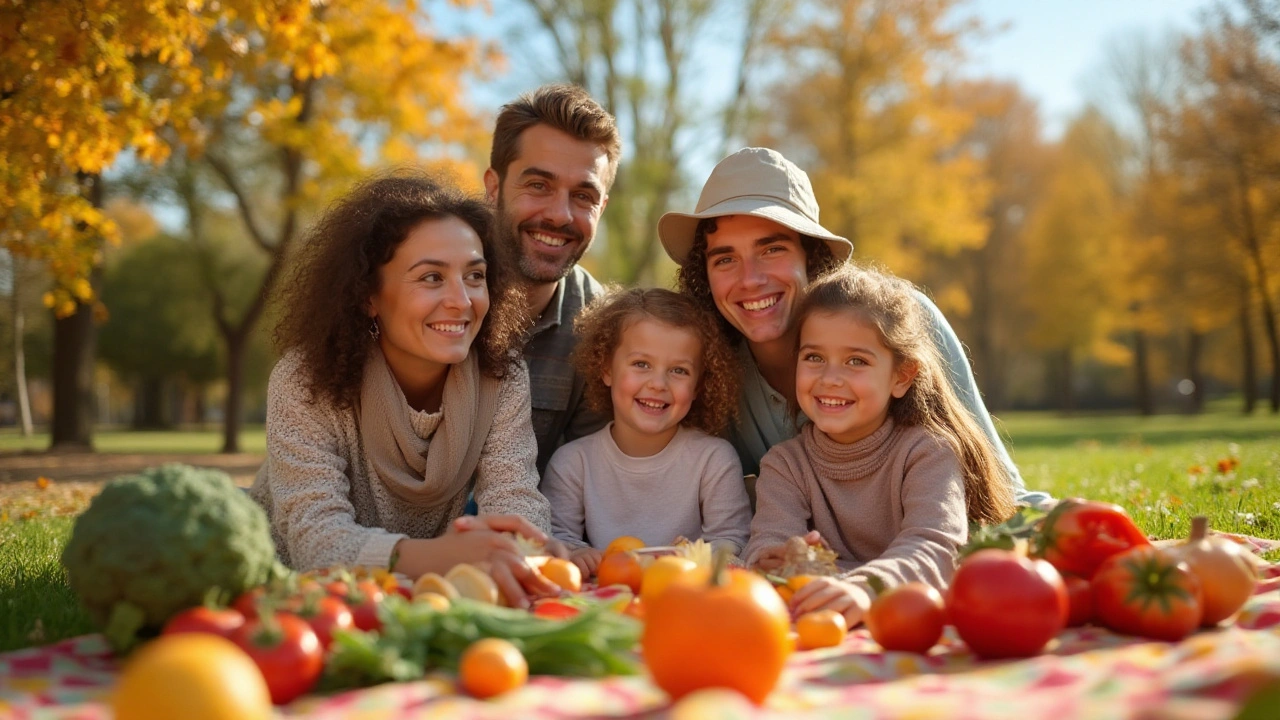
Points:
x=620 y=568
x=563 y=573
x=492 y=666
x=623 y=543
x=820 y=628
x=663 y=572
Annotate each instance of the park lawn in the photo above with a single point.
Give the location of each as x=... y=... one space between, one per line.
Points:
x=253 y=439
x=1163 y=469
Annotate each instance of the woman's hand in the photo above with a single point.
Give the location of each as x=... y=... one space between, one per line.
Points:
x=587 y=559
x=844 y=597
x=501 y=523
x=494 y=550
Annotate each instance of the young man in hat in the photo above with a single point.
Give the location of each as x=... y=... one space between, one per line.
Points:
x=748 y=251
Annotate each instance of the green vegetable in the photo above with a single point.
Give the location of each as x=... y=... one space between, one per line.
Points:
x=164 y=540
x=1008 y=535
x=416 y=638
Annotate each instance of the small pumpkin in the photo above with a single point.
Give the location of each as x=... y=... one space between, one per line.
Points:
x=1227 y=574
x=729 y=632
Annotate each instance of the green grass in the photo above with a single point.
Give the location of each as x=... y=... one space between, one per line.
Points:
x=253 y=439
x=1144 y=464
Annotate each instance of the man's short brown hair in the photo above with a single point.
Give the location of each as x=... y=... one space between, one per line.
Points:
x=567 y=108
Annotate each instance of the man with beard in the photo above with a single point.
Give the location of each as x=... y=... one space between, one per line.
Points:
x=554 y=156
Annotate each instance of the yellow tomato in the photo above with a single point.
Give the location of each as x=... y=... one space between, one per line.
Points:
x=662 y=572
x=194 y=676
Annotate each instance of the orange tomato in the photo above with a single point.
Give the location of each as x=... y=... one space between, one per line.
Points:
x=623 y=543
x=191 y=675
x=697 y=635
x=492 y=666
x=620 y=568
x=820 y=628
x=563 y=573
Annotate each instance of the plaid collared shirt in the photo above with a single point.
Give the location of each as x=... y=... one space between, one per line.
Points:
x=559 y=413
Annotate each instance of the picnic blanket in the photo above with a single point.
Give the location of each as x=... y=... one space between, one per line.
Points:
x=1086 y=672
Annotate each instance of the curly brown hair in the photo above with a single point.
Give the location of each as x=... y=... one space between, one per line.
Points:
x=323 y=308
x=888 y=304
x=600 y=327
x=692 y=282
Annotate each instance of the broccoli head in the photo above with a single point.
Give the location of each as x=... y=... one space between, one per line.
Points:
x=164 y=540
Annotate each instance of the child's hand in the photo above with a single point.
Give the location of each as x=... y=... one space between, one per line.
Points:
x=771 y=557
x=587 y=559
x=845 y=598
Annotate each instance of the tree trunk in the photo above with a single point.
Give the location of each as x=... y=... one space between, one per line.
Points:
x=1250 y=370
x=1253 y=246
x=20 y=353
x=985 y=362
x=148 y=404
x=1059 y=388
x=1195 y=344
x=74 y=338
x=1142 y=374
x=236 y=343
x=1068 y=384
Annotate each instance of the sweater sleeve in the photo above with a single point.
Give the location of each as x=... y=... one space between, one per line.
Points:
x=507 y=474
x=782 y=506
x=726 y=511
x=306 y=479
x=563 y=486
x=934 y=523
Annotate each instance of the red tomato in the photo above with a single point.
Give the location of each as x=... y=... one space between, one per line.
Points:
x=364 y=601
x=1080 y=598
x=247 y=603
x=1078 y=535
x=325 y=613
x=1146 y=592
x=1004 y=605
x=908 y=617
x=223 y=621
x=554 y=609
x=286 y=650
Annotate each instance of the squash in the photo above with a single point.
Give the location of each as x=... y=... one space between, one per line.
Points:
x=1227 y=574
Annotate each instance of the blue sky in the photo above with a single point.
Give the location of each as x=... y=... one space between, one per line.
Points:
x=1051 y=47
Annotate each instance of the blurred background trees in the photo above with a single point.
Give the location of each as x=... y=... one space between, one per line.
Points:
x=161 y=163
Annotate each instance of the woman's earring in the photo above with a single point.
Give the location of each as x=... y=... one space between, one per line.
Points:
x=375 y=332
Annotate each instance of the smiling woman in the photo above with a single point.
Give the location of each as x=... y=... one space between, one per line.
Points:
x=399 y=395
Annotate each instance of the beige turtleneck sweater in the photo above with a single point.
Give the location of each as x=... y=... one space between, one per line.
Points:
x=890 y=505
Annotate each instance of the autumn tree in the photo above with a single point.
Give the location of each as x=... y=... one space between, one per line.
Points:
x=865 y=101
x=1076 y=257
x=1227 y=140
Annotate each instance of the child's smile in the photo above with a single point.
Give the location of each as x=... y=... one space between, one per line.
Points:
x=845 y=377
x=653 y=380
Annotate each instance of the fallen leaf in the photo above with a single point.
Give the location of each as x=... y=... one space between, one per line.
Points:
x=43 y=482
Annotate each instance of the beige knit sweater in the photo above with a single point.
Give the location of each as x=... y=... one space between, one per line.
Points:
x=327 y=505
x=890 y=505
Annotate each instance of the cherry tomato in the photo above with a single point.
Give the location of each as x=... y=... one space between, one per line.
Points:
x=1145 y=592
x=247 y=603
x=1080 y=599
x=286 y=650
x=221 y=621
x=1078 y=535
x=1004 y=605
x=554 y=609
x=325 y=614
x=364 y=601
x=909 y=617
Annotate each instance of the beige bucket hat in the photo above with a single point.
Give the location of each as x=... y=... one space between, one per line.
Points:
x=752 y=181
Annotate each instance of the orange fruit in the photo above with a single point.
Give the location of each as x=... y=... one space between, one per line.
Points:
x=620 y=568
x=622 y=544
x=191 y=675
x=662 y=572
x=795 y=582
x=699 y=635
x=492 y=666
x=563 y=573
x=785 y=593
x=820 y=628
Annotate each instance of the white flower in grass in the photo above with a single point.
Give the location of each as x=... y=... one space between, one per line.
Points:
x=1250 y=483
x=1139 y=468
x=1234 y=449
x=1275 y=506
x=1246 y=518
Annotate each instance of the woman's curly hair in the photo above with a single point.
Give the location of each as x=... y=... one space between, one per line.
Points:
x=600 y=327
x=691 y=277
x=324 y=305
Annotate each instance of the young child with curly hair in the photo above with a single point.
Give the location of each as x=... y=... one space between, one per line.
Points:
x=891 y=468
x=664 y=372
